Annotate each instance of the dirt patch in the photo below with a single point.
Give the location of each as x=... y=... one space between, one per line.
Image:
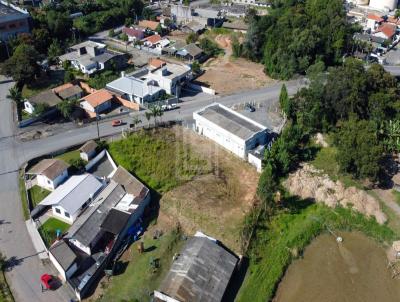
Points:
x=215 y=203
x=354 y=270
x=227 y=75
x=309 y=182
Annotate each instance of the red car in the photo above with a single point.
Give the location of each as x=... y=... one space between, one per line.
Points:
x=48 y=282
x=116 y=123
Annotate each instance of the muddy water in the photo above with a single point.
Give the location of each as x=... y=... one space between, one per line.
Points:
x=352 y=271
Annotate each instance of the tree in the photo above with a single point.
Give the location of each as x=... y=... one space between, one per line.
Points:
x=68 y=76
x=54 y=51
x=267 y=186
x=147 y=13
x=159 y=29
x=186 y=2
x=392 y=136
x=22 y=66
x=237 y=48
x=167 y=22
x=284 y=100
x=359 y=151
x=397 y=13
x=128 y=21
x=136 y=121
x=192 y=38
x=209 y=47
x=59 y=23
x=77 y=164
x=15 y=95
x=41 y=108
x=41 y=39
x=195 y=67
x=155 y=113
x=124 y=37
x=66 y=108
x=111 y=33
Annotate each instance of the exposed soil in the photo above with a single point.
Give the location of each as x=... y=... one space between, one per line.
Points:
x=227 y=75
x=215 y=203
x=354 y=270
x=309 y=182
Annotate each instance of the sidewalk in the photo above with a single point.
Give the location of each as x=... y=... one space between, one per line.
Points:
x=37 y=241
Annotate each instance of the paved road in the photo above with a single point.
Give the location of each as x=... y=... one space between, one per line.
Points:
x=14 y=239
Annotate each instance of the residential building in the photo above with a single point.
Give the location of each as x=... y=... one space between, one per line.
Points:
x=73 y=196
x=47 y=97
x=190 y=52
x=181 y=14
x=147 y=24
x=134 y=34
x=64 y=259
x=49 y=173
x=237 y=26
x=13 y=20
x=97 y=102
x=68 y=91
x=232 y=130
x=88 y=150
x=200 y=272
x=151 y=41
x=373 y=21
x=90 y=57
x=386 y=31
x=131 y=90
x=193 y=27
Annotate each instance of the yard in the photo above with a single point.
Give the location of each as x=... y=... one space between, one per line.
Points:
x=138 y=278
x=48 y=230
x=37 y=194
x=69 y=156
x=55 y=78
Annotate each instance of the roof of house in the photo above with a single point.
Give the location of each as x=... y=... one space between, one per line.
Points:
x=133 y=86
x=72 y=194
x=70 y=92
x=133 y=32
x=193 y=49
x=393 y=20
x=153 y=39
x=375 y=17
x=46 y=97
x=50 y=167
x=106 y=56
x=200 y=273
x=97 y=98
x=156 y=63
x=62 y=87
x=130 y=183
x=89 y=146
x=234 y=123
x=387 y=29
x=88 y=43
x=87 y=226
x=149 y=24
x=115 y=221
x=239 y=25
x=8 y=13
x=64 y=255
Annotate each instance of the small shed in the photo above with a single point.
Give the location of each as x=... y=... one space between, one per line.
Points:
x=88 y=150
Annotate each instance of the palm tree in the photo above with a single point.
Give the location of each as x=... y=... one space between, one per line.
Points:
x=148 y=117
x=160 y=112
x=154 y=112
x=136 y=121
x=15 y=95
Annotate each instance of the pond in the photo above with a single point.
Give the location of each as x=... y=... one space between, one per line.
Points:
x=354 y=270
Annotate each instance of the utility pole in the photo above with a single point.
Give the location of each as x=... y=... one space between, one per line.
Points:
x=97 y=124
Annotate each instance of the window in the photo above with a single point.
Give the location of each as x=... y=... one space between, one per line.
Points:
x=12 y=26
x=58 y=211
x=67 y=214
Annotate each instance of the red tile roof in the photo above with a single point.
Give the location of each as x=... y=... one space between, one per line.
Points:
x=153 y=39
x=58 y=89
x=149 y=24
x=375 y=17
x=393 y=20
x=157 y=63
x=97 y=98
x=132 y=32
x=387 y=29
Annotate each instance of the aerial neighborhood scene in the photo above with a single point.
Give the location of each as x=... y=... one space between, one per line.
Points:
x=200 y=150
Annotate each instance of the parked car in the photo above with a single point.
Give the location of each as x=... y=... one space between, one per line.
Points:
x=48 y=282
x=249 y=108
x=116 y=123
x=169 y=107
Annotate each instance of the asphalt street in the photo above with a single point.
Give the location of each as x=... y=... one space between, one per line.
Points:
x=15 y=243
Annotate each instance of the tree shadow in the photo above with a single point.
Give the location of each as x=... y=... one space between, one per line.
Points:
x=389 y=167
x=2 y=221
x=12 y=262
x=237 y=280
x=120 y=267
x=150 y=249
x=296 y=204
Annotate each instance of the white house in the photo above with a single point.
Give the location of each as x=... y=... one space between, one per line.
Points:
x=88 y=150
x=64 y=259
x=72 y=197
x=232 y=130
x=49 y=173
x=97 y=102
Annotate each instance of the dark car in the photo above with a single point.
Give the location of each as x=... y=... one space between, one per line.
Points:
x=249 y=108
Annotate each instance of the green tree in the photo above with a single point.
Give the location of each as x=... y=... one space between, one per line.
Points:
x=66 y=108
x=41 y=39
x=136 y=121
x=392 y=136
x=128 y=21
x=195 y=67
x=237 y=47
x=15 y=95
x=159 y=29
x=111 y=33
x=147 y=13
x=68 y=76
x=359 y=151
x=284 y=101
x=54 y=51
x=124 y=37
x=59 y=23
x=77 y=164
x=267 y=186
x=192 y=38
x=22 y=66
x=209 y=47
x=41 y=108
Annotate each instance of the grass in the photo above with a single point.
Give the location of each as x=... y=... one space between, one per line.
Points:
x=22 y=193
x=43 y=83
x=69 y=156
x=48 y=229
x=158 y=158
x=5 y=293
x=277 y=241
x=25 y=115
x=138 y=280
x=37 y=194
x=396 y=195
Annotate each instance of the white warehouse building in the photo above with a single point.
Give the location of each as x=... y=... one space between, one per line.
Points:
x=230 y=129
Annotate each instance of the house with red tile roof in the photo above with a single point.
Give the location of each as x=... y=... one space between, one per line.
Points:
x=151 y=41
x=386 y=31
x=155 y=63
x=147 y=24
x=133 y=34
x=373 y=21
x=97 y=102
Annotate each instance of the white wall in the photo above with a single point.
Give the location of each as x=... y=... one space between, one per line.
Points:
x=58 y=266
x=102 y=107
x=80 y=246
x=256 y=162
x=61 y=215
x=49 y=184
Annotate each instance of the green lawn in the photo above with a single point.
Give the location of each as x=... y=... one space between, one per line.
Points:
x=277 y=240
x=396 y=195
x=37 y=194
x=68 y=156
x=49 y=228
x=22 y=193
x=139 y=280
x=43 y=83
x=159 y=158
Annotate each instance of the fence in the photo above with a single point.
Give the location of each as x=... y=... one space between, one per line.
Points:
x=201 y=88
x=27 y=122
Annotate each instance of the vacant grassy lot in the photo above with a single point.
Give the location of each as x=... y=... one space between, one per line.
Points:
x=37 y=194
x=140 y=279
x=286 y=235
x=43 y=83
x=68 y=156
x=48 y=230
x=159 y=158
